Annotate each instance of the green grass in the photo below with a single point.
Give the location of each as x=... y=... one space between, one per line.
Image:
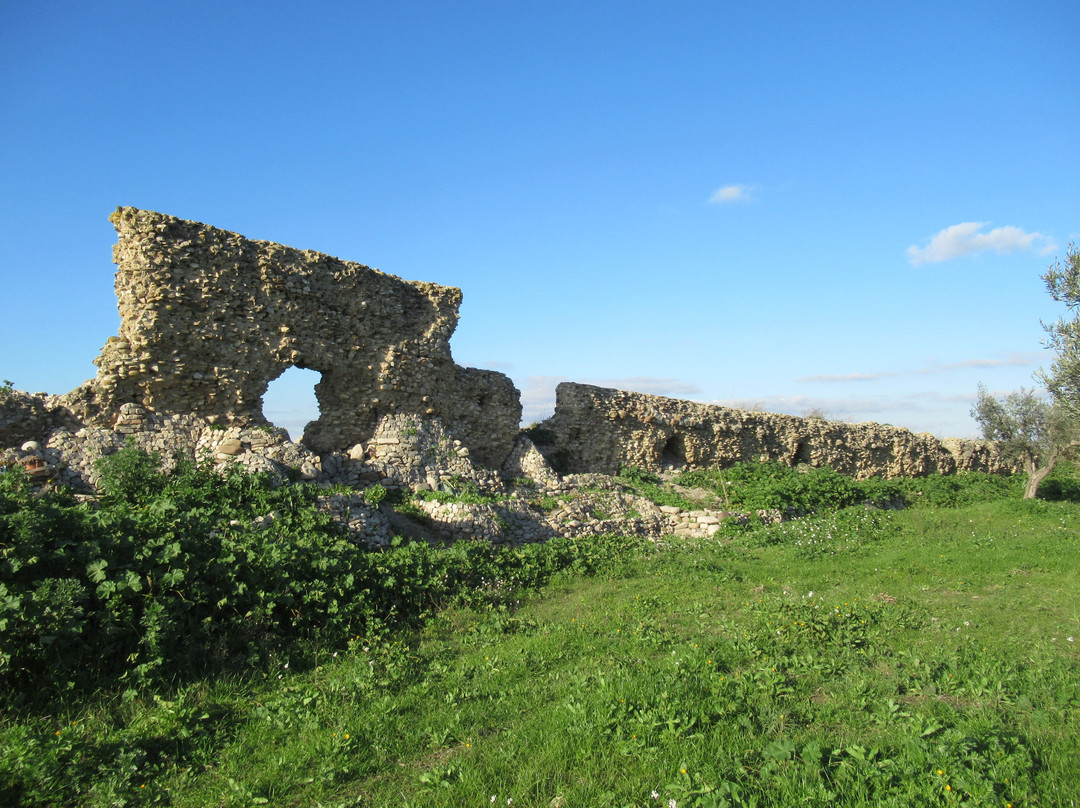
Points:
x=922 y=657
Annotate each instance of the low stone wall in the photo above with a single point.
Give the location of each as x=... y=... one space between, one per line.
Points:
x=599 y=429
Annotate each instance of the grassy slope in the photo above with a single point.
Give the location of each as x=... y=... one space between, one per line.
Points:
x=932 y=665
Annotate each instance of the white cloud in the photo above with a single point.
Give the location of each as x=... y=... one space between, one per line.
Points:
x=1018 y=359
x=731 y=193
x=847 y=377
x=538 y=398
x=966 y=239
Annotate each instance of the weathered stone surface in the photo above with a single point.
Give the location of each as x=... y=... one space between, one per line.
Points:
x=25 y=417
x=600 y=430
x=210 y=318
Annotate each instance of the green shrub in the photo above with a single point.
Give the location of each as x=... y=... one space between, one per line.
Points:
x=375 y=494
x=794 y=490
x=959 y=490
x=1063 y=483
x=194 y=572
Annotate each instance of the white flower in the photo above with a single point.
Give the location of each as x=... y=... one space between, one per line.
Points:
x=492 y=800
x=1070 y=639
x=672 y=804
x=655 y=795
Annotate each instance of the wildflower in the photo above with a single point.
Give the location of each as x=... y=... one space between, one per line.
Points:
x=655 y=795
x=492 y=800
x=672 y=804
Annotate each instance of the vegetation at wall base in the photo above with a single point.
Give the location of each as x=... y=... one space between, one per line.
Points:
x=857 y=657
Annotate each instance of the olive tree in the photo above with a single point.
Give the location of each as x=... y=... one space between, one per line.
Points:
x=1027 y=429
x=1033 y=431
x=1063 y=378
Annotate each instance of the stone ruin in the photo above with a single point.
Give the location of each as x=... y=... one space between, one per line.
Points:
x=210 y=318
x=595 y=429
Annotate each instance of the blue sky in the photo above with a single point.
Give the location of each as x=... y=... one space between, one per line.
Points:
x=787 y=205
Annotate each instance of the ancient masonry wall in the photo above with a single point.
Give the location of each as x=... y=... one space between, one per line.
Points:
x=600 y=430
x=210 y=318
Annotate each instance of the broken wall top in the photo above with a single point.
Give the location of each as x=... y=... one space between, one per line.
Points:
x=210 y=318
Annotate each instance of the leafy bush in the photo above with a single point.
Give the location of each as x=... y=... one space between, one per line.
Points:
x=213 y=572
x=375 y=494
x=1063 y=483
x=959 y=490
x=794 y=490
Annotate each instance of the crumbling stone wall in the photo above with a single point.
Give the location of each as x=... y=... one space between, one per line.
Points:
x=210 y=318
x=599 y=430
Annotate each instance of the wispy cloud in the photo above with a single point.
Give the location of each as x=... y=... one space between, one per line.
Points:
x=1018 y=359
x=847 y=377
x=924 y=411
x=732 y=193
x=538 y=398
x=966 y=239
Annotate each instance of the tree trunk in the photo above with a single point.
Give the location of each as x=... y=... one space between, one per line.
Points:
x=1036 y=476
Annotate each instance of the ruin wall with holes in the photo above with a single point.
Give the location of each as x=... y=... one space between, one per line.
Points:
x=209 y=318
x=600 y=430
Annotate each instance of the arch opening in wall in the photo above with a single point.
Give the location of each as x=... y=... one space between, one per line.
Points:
x=802 y=453
x=673 y=455
x=290 y=402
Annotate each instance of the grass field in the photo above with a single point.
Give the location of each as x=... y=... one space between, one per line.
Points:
x=919 y=657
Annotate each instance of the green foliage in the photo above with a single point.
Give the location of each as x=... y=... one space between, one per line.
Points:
x=374 y=495
x=930 y=662
x=960 y=490
x=460 y=490
x=179 y=575
x=130 y=476
x=650 y=486
x=638 y=476
x=1063 y=379
x=1063 y=483
x=754 y=486
x=846 y=531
